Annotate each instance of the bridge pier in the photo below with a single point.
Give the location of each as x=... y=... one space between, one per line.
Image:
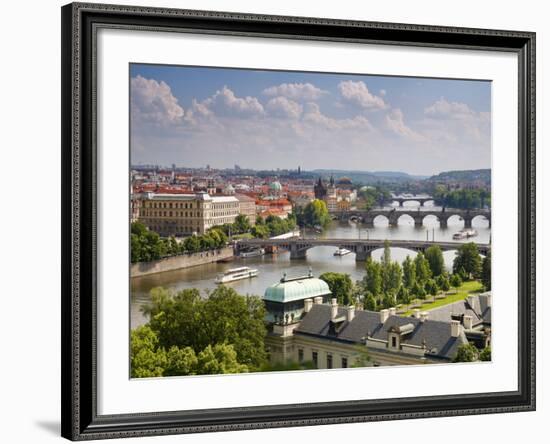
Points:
x=362 y=253
x=297 y=253
x=368 y=222
x=467 y=222
x=418 y=221
x=443 y=223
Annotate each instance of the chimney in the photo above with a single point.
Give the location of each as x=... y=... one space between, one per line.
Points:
x=471 y=302
x=350 y=313
x=308 y=303
x=455 y=328
x=392 y=311
x=424 y=316
x=318 y=300
x=384 y=315
x=416 y=313
x=334 y=308
x=467 y=322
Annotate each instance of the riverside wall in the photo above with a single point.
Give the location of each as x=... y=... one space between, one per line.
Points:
x=180 y=261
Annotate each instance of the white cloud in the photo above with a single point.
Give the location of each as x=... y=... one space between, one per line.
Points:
x=395 y=123
x=313 y=114
x=283 y=107
x=295 y=91
x=224 y=103
x=382 y=92
x=444 y=109
x=358 y=94
x=153 y=102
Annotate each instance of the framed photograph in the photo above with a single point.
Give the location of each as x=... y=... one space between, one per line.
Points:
x=282 y=221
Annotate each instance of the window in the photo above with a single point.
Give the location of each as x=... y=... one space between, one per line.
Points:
x=300 y=355
x=344 y=362
x=329 y=360
x=393 y=341
x=315 y=358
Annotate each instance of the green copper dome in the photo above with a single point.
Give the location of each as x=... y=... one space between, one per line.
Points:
x=296 y=289
x=276 y=186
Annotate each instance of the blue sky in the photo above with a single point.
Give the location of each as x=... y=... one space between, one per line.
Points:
x=193 y=116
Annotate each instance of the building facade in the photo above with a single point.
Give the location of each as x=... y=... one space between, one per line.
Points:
x=186 y=214
x=247 y=207
x=331 y=336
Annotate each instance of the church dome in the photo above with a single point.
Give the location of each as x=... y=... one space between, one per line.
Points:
x=229 y=189
x=275 y=186
x=344 y=181
x=297 y=289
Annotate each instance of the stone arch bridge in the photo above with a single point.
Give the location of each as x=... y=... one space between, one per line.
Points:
x=392 y=215
x=362 y=248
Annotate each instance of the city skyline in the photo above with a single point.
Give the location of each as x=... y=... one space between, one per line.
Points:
x=258 y=119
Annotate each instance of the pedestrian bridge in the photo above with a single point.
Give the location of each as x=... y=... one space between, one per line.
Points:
x=362 y=248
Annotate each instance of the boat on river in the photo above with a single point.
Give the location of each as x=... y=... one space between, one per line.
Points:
x=465 y=233
x=254 y=252
x=236 y=274
x=341 y=252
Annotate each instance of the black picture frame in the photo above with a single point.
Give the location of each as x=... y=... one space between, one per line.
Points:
x=80 y=22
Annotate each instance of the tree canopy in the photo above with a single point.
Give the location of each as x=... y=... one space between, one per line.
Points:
x=341 y=286
x=468 y=260
x=314 y=213
x=186 y=319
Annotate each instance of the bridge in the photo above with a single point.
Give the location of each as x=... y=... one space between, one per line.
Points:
x=392 y=215
x=420 y=199
x=362 y=248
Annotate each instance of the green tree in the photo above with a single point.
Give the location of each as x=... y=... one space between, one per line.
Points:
x=468 y=258
x=314 y=213
x=373 y=278
x=403 y=295
x=486 y=271
x=422 y=269
x=466 y=353
x=431 y=287
x=261 y=231
x=185 y=319
x=219 y=359
x=341 y=285
x=443 y=282
x=434 y=256
x=192 y=244
x=485 y=354
x=409 y=273
x=418 y=291
x=146 y=360
x=180 y=361
x=456 y=281
x=370 y=302
x=389 y=300
x=241 y=224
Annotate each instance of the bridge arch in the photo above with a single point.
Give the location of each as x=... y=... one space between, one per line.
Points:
x=380 y=217
x=482 y=217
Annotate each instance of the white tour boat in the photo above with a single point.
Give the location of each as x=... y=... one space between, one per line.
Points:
x=465 y=233
x=341 y=252
x=235 y=274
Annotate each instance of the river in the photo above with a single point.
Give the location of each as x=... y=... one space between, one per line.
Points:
x=320 y=259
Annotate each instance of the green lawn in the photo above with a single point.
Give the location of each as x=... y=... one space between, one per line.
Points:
x=452 y=296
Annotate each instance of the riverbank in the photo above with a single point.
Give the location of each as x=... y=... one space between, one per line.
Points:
x=180 y=262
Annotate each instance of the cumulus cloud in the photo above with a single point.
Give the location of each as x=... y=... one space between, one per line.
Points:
x=358 y=94
x=283 y=107
x=395 y=123
x=295 y=91
x=445 y=109
x=313 y=114
x=153 y=102
x=224 y=103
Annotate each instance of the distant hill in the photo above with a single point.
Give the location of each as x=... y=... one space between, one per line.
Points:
x=483 y=175
x=369 y=177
